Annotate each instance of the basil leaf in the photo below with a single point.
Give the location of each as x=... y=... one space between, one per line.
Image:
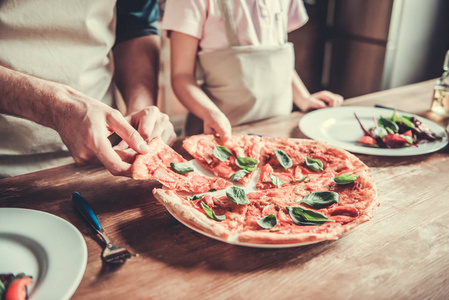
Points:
x=211 y=214
x=314 y=164
x=305 y=178
x=237 y=195
x=238 y=175
x=345 y=178
x=181 y=168
x=221 y=153
x=246 y=163
x=306 y=217
x=388 y=124
x=283 y=158
x=276 y=181
x=268 y=222
x=195 y=197
x=321 y=199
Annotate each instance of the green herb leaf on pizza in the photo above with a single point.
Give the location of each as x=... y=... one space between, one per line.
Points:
x=303 y=179
x=246 y=163
x=276 y=181
x=181 y=168
x=283 y=158
x=314 y=164
x=221 y=153
x=239 y=175
x=237 y=195
x=321 y=199
x=211 y=214
x=345 y=179
x=306 y=217
x=195 y=197
x=267 y=222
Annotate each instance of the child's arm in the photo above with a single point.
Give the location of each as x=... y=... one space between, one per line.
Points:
x=183 y=57
x=306 y=101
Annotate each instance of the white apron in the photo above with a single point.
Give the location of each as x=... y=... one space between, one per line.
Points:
x=63 y=41
x=247 y=83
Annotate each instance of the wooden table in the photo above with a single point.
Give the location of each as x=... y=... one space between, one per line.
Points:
x=402 y=253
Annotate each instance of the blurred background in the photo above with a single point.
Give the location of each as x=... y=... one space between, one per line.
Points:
x=355 y=47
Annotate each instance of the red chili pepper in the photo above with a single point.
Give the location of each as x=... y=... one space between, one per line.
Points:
x=17 y=290
x=368 y=140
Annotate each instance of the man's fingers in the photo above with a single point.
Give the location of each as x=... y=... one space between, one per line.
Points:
x=130 y=135
x=128 y=155
x=111 y=160
x=169 y=137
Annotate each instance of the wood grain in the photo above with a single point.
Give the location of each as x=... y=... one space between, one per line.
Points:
x=402 y=253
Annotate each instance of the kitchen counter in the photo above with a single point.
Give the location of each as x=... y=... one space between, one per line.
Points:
x=402 y=253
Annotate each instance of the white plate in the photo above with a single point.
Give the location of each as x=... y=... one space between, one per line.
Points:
x=44 y=246
x=339 y=128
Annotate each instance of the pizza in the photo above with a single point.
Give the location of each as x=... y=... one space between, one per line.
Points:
x=172 y=170
x=304 y=191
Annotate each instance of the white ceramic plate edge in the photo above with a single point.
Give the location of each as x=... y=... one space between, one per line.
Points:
x=316 y=125
x=60 y=243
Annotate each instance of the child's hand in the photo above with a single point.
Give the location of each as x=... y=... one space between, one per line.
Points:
x=218 y=124
x=319 y=100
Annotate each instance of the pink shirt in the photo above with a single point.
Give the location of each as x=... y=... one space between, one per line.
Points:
x=258 y=21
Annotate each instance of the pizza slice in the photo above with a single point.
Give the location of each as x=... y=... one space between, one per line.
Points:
x=235 y=160
x=295 y=161
x=168 y=167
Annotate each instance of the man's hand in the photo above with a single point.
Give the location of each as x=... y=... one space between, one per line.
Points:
x=85 y=125
x=150 y=122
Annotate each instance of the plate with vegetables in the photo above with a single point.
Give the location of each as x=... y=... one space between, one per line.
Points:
x=374 y=131
x=41 y=255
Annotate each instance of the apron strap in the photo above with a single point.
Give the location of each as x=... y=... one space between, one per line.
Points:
x=285 y=19
x=228 y=17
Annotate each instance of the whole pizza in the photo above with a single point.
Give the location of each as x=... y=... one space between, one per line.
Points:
x=255 y=190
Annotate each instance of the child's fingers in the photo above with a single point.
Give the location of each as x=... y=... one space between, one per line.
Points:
x=223 y=132
x=329 y=98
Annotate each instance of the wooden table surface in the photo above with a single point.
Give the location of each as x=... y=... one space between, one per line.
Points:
x=402 y=253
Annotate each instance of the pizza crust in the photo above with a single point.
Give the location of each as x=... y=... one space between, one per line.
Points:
x=189 y=215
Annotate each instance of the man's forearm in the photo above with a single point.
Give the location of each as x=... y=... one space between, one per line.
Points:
x=42 y=101
x=26 y=96
x=137 y=70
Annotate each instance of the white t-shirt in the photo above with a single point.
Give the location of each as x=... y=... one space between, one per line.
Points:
x=255 y=20
x=63 y=41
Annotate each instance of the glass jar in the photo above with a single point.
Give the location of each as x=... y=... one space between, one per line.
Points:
x=440 y=101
